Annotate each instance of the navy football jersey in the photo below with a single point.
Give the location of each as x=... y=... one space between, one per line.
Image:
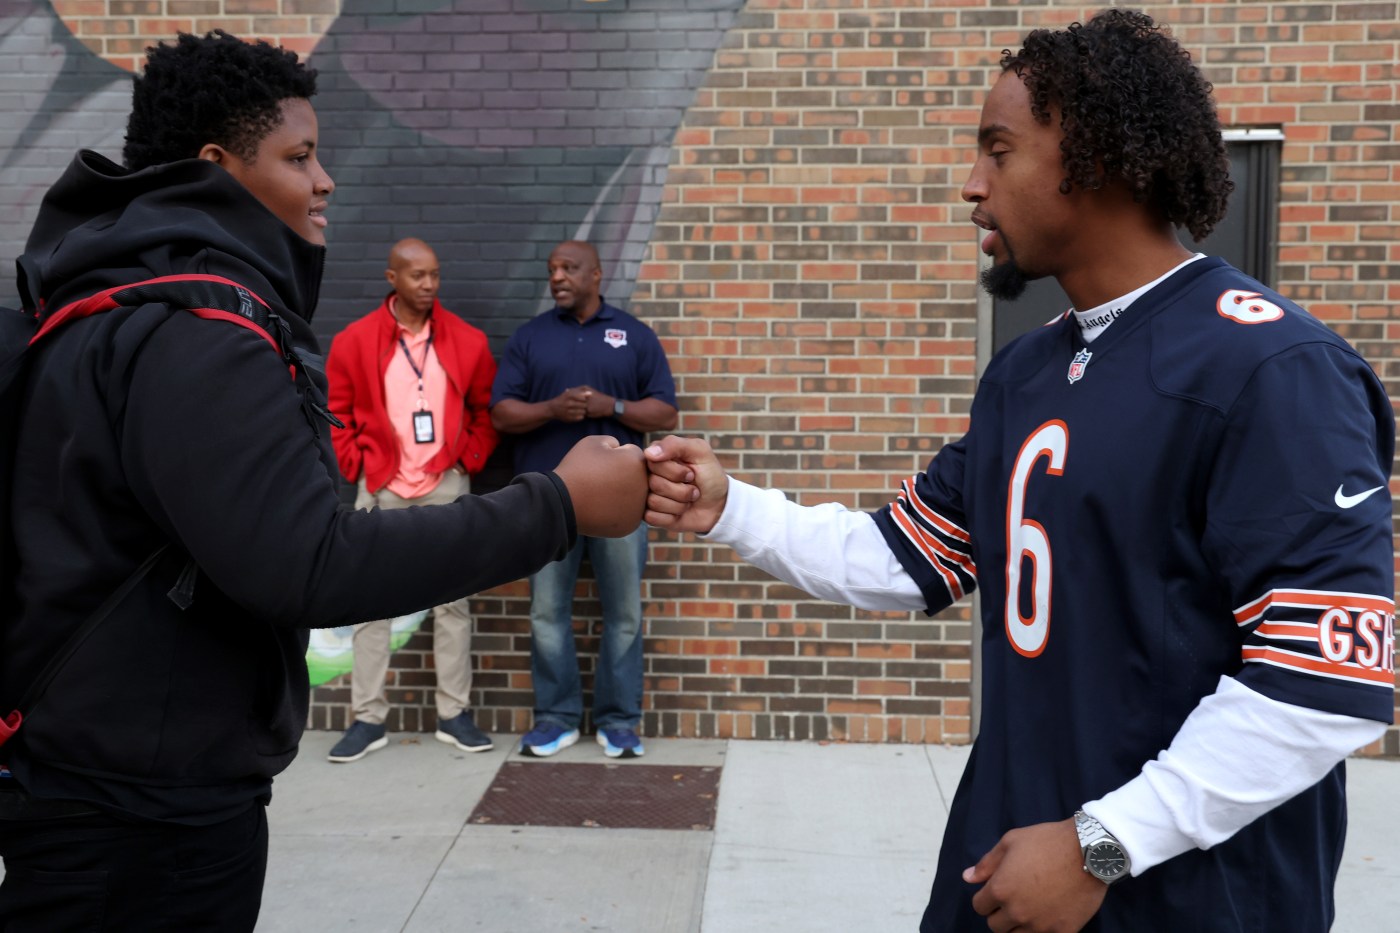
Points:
x=1202 y=491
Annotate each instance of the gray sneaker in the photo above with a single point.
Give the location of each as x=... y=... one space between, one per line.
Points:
x=358 y=741
x=461 y=730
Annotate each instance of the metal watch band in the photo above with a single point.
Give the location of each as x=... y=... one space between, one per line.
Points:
x=1101 y=849
x=1088 y=828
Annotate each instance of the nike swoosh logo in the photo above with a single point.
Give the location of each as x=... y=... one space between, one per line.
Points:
x=1345 y=502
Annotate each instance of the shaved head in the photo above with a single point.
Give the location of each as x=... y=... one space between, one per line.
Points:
x=414 y=275
x=579 y=248
x=407 y=250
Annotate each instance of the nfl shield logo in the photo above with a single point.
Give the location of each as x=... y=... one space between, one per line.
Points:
x=1076 y=365
x=615 y=337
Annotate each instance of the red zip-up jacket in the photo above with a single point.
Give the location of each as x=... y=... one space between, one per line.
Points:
x=360 y=356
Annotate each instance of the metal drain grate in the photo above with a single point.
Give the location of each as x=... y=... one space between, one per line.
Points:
x=611 y=796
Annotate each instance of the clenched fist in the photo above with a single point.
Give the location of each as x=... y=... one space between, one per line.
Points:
x=608 y=486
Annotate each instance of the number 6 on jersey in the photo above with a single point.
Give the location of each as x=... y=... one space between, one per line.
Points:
x=1025 y=538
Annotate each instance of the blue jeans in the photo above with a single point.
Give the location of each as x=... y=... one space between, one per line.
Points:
x=617 y=682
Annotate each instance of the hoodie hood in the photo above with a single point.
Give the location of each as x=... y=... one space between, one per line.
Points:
x=101 y=226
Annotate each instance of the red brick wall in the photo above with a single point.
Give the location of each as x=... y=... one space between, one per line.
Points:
x=815 y=283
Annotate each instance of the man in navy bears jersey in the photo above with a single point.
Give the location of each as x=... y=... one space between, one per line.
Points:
x=1175 y=500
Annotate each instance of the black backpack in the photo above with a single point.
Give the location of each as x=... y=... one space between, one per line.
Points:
x=207 y=296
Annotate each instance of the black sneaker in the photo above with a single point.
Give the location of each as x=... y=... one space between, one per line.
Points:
x=358 y=741
x=461 y=730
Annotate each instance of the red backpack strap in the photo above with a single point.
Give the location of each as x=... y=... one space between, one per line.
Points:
x=10 y=725
x=206 y=296
x=215 y=298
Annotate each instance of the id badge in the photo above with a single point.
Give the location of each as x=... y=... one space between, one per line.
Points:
x=423 y=427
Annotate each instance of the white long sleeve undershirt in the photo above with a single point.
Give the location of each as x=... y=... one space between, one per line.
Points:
x=1237 y=756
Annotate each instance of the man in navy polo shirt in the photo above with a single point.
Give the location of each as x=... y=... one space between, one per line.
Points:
x=582 y=368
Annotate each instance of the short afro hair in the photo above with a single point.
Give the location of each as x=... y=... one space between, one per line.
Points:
x=211 y=89
x=1133 y=108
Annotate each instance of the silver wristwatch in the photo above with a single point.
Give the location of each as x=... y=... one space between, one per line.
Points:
x=1104 y=856
x=618 y=407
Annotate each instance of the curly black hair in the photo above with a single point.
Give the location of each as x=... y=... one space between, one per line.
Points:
x=211 y=89
x=1133 y=108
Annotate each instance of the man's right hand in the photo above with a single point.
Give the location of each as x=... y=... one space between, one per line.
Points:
x=608 y=486
x=688 y=486
x=570 y=405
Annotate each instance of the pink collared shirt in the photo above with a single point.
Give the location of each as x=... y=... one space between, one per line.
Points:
x=402 y=398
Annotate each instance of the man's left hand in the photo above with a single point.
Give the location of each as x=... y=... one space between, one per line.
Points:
x=1033 y=881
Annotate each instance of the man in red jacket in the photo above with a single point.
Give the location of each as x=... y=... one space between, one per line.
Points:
x=412 y=383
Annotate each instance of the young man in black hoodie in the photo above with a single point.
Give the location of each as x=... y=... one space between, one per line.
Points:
x=134 y=793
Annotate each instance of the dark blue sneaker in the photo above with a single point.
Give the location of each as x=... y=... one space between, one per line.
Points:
x=547 y=738
x=461 y=730
x=621 y=742
x=358 y=741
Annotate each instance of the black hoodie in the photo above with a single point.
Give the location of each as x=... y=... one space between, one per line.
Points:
x=149 y=425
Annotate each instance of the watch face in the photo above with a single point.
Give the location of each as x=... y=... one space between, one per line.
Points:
x=1106 y=860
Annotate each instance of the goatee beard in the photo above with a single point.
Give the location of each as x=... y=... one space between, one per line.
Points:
x=1004 y=281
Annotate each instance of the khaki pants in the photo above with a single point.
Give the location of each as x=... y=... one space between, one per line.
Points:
x=452 y=628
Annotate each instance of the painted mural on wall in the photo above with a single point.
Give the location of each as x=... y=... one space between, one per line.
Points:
x=493 y=129
x=57 y=97
x=500 y=128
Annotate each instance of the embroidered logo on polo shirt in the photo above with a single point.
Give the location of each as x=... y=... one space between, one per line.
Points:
x=615 y=337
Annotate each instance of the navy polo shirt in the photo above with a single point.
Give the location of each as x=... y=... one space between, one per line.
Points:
x=612 y=351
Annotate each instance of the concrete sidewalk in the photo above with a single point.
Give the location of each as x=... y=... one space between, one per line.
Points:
x=807 y=836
